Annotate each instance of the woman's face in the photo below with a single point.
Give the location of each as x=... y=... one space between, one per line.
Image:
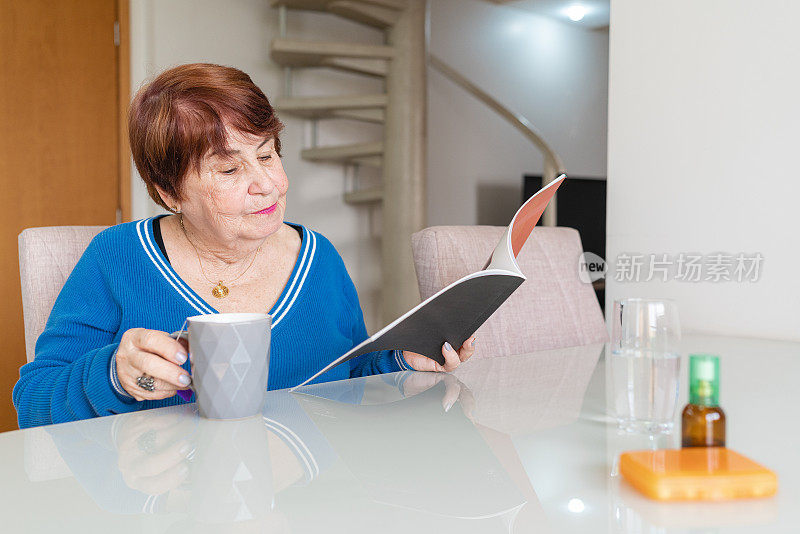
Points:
x=241 y=196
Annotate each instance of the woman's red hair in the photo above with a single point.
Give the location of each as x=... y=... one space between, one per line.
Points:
x=178 y=117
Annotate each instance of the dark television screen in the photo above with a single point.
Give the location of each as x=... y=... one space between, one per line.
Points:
x=581 y=205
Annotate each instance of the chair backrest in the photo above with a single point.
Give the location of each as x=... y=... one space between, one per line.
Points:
x=46 y=258
x=551 y=309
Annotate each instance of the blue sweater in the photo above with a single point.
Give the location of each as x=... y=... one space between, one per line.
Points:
x=123 y=281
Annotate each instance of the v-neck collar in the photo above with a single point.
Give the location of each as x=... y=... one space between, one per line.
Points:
x=283 y=304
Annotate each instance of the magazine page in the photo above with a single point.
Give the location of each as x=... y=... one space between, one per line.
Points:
x=524 y=221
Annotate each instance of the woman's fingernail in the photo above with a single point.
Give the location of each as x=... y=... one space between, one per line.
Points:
x=447 y=346
x=449 y=405
x=180 y=357
x=184 y=380
x=472 y=343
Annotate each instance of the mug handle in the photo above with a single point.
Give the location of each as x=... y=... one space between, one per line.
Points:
x=180 y=334
x=185 y=394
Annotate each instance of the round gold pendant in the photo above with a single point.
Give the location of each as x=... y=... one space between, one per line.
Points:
x=220 y=291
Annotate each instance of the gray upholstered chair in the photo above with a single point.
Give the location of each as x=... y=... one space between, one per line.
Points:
x=551 y=309
x=46 y=257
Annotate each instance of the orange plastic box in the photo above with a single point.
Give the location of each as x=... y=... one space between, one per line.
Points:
x=697 y=474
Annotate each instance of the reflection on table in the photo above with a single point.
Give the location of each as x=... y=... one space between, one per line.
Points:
x=421 y=451
x=517 y=444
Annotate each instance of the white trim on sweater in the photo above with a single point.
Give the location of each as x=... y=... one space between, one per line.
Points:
x=151 y=242
x=169 y=274
x=167 y=278
x=288 y=435
x=277 y=318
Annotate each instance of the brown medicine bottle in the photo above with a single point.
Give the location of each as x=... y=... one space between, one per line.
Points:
x=703 y=421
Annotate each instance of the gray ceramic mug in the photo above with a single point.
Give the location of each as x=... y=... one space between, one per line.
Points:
x=229 y=355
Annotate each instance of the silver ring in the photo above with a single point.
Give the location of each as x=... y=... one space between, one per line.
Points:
x=147 y=442
x=148 y=383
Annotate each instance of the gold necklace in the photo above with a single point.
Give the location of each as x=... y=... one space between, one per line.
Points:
x=220 y=290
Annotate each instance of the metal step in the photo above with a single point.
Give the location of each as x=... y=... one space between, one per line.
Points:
x=377 y=116
x=369 y=161
x=334 y=106
x=377 y=68
x=371 y=15
x=364 y=196
x=344 y=56
x=378 y=13
x=321 y=5
x=342 y=153
x=369 y=60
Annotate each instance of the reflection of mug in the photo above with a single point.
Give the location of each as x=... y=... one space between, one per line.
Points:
x=229 y=354
x=231 y=472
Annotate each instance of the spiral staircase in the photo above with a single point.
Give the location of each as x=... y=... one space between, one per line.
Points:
x=401 y=63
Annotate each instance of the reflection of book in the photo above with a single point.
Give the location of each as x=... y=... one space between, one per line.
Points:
x=457 y=311
x=412 y=455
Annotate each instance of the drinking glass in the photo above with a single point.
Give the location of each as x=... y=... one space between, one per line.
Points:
x=645 y=363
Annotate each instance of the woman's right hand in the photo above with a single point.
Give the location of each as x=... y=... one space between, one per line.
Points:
x=152 y=353
x=455 y=389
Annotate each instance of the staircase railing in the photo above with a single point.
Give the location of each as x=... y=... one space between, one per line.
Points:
x=552 y=162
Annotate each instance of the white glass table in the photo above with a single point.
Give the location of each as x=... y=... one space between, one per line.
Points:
x=514 y=444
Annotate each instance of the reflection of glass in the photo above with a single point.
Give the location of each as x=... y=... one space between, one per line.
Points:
x=623 y=519
x=619 y=441
x=645 y=363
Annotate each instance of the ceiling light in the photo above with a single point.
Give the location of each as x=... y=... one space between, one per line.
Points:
x=576 y=13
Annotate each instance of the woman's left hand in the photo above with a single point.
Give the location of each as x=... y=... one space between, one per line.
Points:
x=452 y=359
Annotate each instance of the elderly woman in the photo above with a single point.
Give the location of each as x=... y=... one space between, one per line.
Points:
x=206 y=142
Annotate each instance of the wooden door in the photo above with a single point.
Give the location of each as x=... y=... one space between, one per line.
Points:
x=60 y=124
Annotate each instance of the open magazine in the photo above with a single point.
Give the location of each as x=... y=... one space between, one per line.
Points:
x=457 y=311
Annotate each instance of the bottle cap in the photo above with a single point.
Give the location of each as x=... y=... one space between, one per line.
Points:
x=704 y=379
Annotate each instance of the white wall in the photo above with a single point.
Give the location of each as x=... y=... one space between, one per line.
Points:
x=552 y=72
x=702 y=157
